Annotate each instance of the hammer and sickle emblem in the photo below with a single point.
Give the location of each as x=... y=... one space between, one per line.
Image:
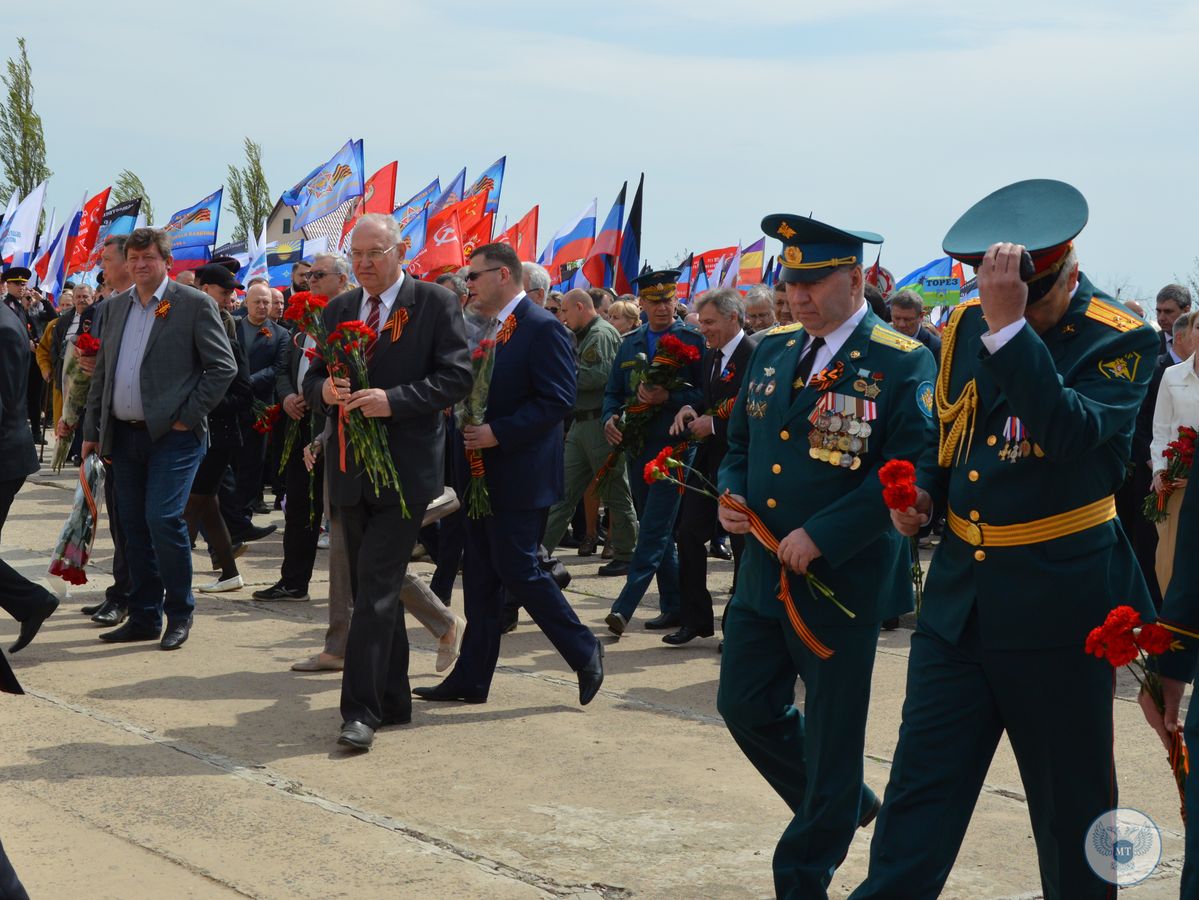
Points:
x=443 y=235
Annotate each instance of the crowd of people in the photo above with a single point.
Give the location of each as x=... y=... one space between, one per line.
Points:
x=655 y=436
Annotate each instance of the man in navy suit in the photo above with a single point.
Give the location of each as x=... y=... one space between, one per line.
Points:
x=532 y=391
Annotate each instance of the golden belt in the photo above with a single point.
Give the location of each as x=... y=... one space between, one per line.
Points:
x=979 y=534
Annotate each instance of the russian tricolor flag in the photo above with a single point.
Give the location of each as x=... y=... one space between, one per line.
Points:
x=572 y=242
x=596 y=269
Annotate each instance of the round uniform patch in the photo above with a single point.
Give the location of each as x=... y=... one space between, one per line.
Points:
x=925 y=397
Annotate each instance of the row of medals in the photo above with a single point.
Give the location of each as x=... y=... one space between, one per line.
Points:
x=838 y=439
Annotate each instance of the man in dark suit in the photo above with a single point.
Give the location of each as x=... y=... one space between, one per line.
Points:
x=264 y=344
x=418 y=366
x=722 y=323
x=907 y=317
x=28 y=603
x=521 y=442
x=164 y=363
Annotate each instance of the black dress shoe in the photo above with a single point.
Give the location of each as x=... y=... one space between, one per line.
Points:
x=510 y=621
x=684 y=635
x=890 y=624
x=255 y=533
x=616 y=567
x=664 y=620
x=587 y=546
x=176 y=635
x=568 y=542
x=129 y=632
x=91 y=610
x=110 y=613
x=719 y=551
x=261 y=509
x=356 y=735
x=869 y=815
x=444 y=692
x=30 y=627
x=591 y=676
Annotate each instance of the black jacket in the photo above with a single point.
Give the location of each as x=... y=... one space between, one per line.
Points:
x=233 y=410
x=18 y=459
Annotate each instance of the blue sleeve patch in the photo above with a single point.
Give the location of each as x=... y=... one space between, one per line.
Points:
x=925 y=396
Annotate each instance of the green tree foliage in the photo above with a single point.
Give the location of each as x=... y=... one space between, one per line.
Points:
x=248 y=196
x=22 y=144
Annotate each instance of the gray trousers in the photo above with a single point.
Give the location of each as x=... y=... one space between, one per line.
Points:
x=416 y=596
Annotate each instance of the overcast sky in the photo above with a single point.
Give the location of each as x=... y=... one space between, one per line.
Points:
x=879 y=114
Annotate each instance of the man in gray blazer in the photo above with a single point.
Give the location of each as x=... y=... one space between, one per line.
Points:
x=164 y=363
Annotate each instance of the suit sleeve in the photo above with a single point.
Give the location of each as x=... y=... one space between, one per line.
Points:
x=450 y=380
x=1069 y=422
x=216 y=361
x=732 y=476
x=553 y=393
x=284 y=386
x=95 y=394
x=860 y=516
x=1142 y=436
x=10 y=364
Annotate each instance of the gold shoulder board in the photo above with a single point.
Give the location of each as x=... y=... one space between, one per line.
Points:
x=785 y=329
x=1112 y=317
x=890 y=338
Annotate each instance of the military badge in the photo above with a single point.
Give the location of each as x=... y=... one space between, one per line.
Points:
x=925 y=396
x=792 y=256
x=1122 y=367
x=785 y=230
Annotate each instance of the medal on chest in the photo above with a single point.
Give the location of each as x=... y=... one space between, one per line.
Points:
x=840 y=430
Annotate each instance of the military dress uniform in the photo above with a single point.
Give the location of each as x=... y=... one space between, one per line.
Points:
x=1035 y=438
x=587 y=448
x=1180 y=613
x=808 y=457
x=657 y=505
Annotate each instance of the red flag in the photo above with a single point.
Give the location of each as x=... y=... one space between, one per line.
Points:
x=378 y=196
x=477 y=236
x=470 y=213
x=79 y=249
x=522 y=237
x=442 y=251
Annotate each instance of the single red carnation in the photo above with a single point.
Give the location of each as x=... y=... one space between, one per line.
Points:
x=896 y=471
x=1154 y=639
x=1122 y=619
x=899 y=496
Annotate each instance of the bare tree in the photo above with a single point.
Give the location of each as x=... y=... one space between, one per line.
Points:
x=22 y=144
x=129 y=187
x=249 y=196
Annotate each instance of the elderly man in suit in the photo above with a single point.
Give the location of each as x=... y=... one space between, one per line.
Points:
x=532 y=391
x=28 y=603
x=418 y=366
x=164 y=363
x=722 y=323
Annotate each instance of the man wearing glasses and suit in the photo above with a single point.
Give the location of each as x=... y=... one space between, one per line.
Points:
x=418 y=366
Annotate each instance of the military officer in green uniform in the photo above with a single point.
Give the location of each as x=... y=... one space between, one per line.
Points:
x=825 y=402
x=1180 y=613
x=597 y=343
x=657 y=504
x=1038 y=391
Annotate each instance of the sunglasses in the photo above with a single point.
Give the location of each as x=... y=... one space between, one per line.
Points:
x=475 y=276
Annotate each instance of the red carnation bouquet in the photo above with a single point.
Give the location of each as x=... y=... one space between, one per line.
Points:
x=1179 y=456
x=661 y=371
x=306 y=310
x=265 y=417
x=345 y=354
x=666 y=466
x=75 y=541
x=899 y=493
x=481 y=334
x=74 y=392
x=1123 y=641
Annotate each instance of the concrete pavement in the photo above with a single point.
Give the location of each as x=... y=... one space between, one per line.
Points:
x=213 y=772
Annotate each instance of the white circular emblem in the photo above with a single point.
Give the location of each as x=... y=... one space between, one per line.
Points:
x=443 y=235
x=1123 y=846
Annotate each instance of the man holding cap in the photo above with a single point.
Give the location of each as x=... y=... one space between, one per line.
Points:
x=1039 y=388
x=825 y=402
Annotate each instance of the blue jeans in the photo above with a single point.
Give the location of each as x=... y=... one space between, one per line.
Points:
x=153 y=479
x=657 y=507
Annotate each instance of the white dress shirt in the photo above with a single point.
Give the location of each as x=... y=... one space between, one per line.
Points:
x=726 y=352
x=1177 y=405
x=510 y=307
x=386 y=299
x=835 y=340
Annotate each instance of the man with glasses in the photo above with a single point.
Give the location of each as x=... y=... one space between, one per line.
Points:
x=521 y=447
x=537 y=282
x=657 y=504
x=419 y=366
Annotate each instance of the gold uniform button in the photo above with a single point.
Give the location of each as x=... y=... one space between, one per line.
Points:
x=973 y=475
x=992 y=441
x=772 y=503
x=979 y=555
x=785 y=435
x=974 y=515
x=776 y=468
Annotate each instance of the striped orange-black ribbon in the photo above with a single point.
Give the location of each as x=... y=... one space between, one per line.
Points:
x=506 y=329
x=397 y=323
x=759 y=530
x=91 y=501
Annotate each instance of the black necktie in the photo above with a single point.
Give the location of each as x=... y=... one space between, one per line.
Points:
x=803 y=369
x=716 y=368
